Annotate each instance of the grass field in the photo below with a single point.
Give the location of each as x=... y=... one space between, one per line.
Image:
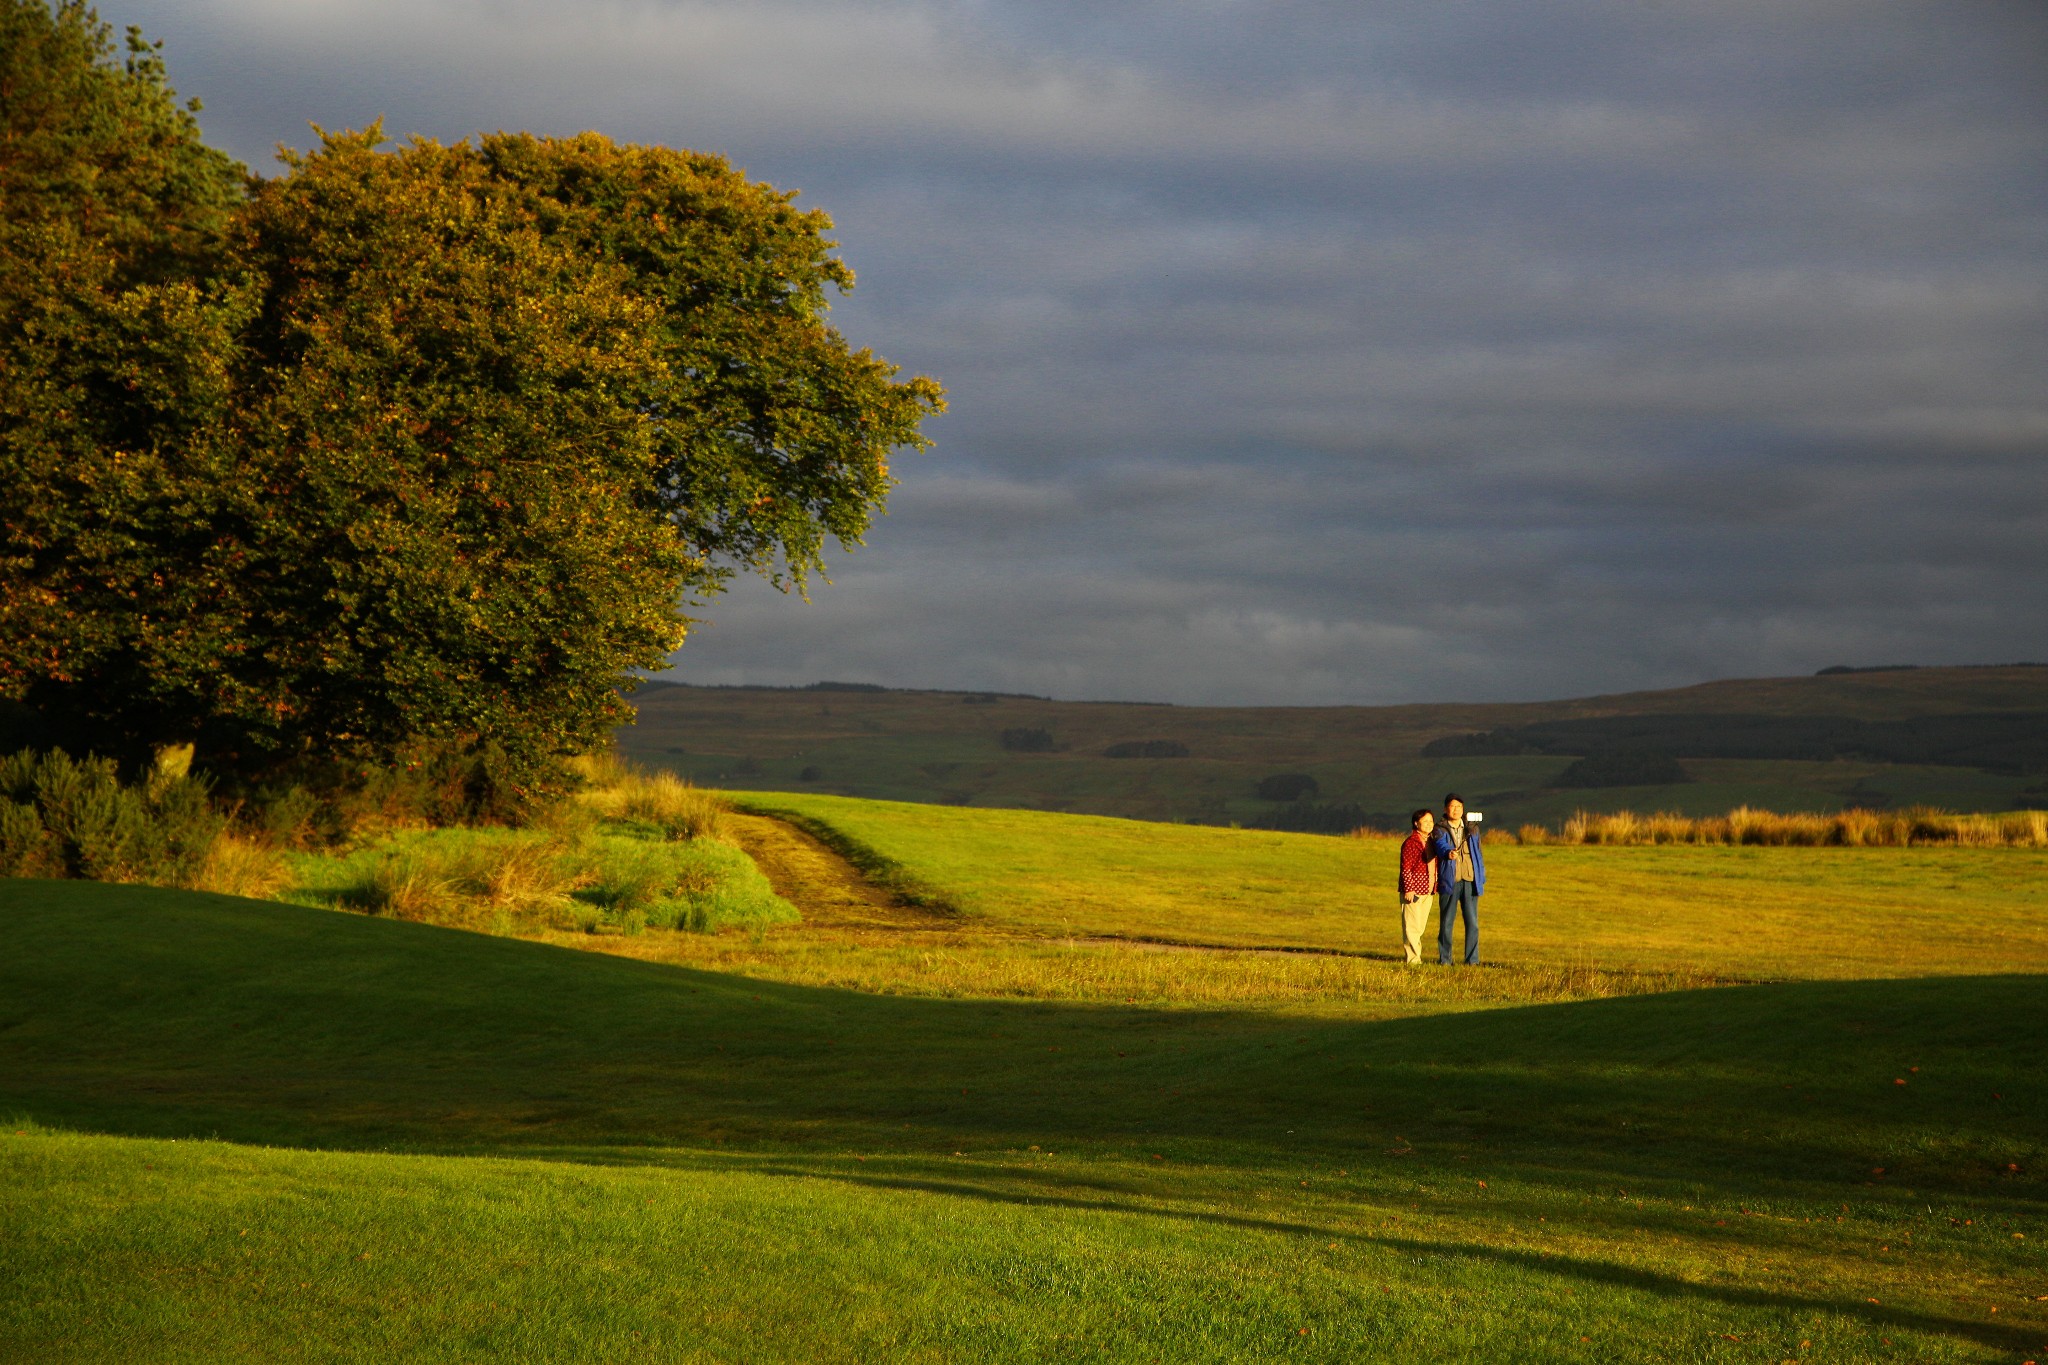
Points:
x=249 y=1131
x=946 y=748
x=1734 y=912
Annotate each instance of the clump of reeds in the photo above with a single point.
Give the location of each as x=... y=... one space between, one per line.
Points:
x=1746 y=825
x=453 y=881
x=664 y=800
x=406 y=885
x=238 y=865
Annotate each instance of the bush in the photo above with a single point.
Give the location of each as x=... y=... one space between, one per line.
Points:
x=286 y=819
x=1485 y=744
x=1147 y=748
x=1288 y=787
x=1623 y=768
x=1023 y=740
x=26 y=848
x=1333 y=817
x=66 y=817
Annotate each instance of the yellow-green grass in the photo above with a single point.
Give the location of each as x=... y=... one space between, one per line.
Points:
x=250 y=1131
x=1744 y=913
x=965 y=962
x=619 y=878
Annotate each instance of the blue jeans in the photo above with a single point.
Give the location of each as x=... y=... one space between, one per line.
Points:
x=1450 y=899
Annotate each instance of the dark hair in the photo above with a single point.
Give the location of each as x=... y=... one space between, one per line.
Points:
x=1416 y=818
x=1453 y=797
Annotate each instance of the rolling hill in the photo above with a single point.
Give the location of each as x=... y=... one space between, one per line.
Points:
x=1962 y=738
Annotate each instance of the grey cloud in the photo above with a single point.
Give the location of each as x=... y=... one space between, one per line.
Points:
x=1320 y=352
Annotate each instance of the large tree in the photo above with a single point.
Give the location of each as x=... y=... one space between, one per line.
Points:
x=432 y=443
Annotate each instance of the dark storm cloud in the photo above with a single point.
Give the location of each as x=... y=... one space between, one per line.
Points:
x=1324 y=352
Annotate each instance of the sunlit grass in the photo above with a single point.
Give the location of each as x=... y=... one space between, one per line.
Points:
x=426 y=1145
x=1742 y=912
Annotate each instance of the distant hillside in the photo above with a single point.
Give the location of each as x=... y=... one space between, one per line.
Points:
x=1965 y=738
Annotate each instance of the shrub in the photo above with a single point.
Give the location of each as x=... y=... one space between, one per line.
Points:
x=1485 y=744
x=286 y=819
x=1333 y=817
x=1147 y=748
x=94 y=826
x=1287 y=787
x=1623 y=768
x=26 y=848
x=1025 y=740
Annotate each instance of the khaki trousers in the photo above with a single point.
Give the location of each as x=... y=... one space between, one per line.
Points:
x=1414 y=917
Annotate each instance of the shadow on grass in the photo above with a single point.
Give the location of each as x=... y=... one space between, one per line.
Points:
x=1583 y=1269
x=152 y=1013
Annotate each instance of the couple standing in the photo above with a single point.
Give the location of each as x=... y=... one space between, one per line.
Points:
x=1441 y=859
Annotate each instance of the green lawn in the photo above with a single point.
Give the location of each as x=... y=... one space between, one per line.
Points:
x=1732 y=911
x=248 y=1131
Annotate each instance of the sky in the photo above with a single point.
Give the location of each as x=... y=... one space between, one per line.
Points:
x=1324 y=352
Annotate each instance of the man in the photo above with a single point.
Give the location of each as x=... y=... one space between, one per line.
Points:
x=1417 y=882
x=1460 y=878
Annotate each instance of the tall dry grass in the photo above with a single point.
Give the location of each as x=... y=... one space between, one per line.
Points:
x=1916 y=826
x=466 y=881
x=239 y=865
x=679 y=810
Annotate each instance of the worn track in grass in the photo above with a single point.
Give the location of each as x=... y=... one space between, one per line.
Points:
x=829 y=891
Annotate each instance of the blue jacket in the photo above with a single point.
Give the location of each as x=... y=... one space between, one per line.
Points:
x=1447 y=868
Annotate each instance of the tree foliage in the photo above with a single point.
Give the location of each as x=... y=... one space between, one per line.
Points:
x=425 y=444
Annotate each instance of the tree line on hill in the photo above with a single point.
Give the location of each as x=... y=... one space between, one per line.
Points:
x=1613 y=747
x=405 y=455
x=1028 y=739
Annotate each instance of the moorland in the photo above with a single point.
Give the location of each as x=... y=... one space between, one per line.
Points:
x=1966 y=739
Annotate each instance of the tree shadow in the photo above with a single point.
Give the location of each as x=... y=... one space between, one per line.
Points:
x=133 y=1011
x=1583 y=1269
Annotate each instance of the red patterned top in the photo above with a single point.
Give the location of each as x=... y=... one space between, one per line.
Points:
x=1418 y=872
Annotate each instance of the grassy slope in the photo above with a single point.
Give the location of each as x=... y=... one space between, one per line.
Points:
x=931 y=747
x=613 y=1160
x=1743 y=912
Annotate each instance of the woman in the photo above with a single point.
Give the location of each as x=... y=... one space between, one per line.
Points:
x=1417 y=883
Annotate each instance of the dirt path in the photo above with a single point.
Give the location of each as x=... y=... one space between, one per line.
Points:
x=827 y=889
